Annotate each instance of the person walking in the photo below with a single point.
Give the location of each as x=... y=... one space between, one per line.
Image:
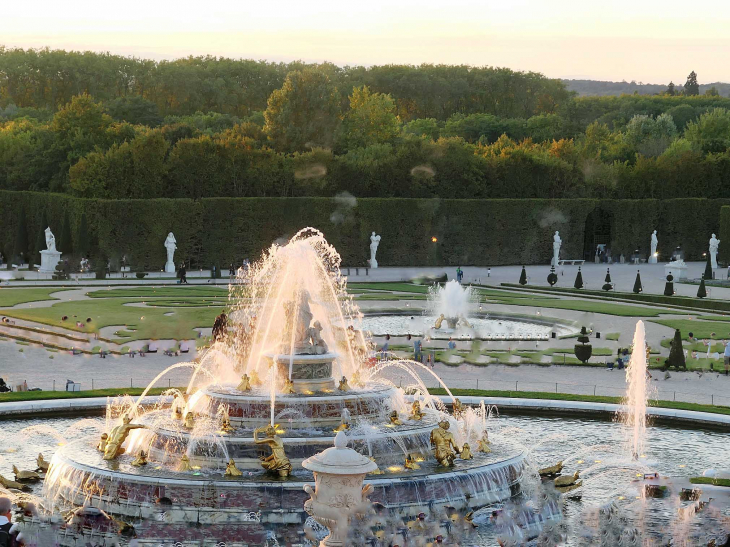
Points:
x=727 y=357
x=417 y=354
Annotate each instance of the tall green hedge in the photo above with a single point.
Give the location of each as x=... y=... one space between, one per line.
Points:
x=468 y=232
x=724 y=234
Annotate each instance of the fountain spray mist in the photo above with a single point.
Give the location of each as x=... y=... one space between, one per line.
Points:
x=637 y=393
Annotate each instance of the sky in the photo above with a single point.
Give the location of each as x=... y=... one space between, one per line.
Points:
x=652 y=41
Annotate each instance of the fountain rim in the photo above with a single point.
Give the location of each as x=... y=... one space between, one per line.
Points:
x=281 y=397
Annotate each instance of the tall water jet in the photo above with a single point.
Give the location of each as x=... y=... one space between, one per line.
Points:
x=452 y=303
x=637 y=393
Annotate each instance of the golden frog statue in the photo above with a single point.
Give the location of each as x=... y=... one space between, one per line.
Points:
x=416 y=413
x=410 y=462
x=466 y=452
x=443 y=441
x=394 y=419
x=245 y=384
x=483 y=443
x=140 y=460
x=277 y=462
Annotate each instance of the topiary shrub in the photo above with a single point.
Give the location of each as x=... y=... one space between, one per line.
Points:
x=676 y=352
x=141 y=275
x=552 y=277
x=708 y=268
x=607 y=285
x=523 y=276
x=584 y=350
x=578 y=280
x=669 y=286
x=637 y=284
x=702 y=291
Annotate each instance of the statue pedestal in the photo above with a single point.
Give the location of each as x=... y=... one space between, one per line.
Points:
x=170 y=267
x=652 y=259
x=49 y=259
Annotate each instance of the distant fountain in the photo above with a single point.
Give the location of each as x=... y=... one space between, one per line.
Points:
x=452 y=303
x=634 y=415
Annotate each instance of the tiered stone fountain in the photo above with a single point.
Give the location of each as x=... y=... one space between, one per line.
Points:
x=289 y=369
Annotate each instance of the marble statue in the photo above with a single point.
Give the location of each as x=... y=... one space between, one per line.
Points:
x=276 y=462
x=653 y=253
x=374 y=242
x=556 y=248
x=50 y=256
x=50 y=240
x=117 y=436
x=714 y=244
x=170 y=245
x=445 y=447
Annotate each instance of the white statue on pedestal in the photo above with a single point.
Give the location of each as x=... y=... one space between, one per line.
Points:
x=714 y=244
x=50 y=256
x=374 y=242
x=556 y=248
x=653 y=253
x=170 y=245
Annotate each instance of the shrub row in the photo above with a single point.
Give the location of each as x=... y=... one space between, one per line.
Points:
x=468 y=232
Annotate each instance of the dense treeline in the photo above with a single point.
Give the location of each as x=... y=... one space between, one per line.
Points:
x=104 y=126
x=221 y=231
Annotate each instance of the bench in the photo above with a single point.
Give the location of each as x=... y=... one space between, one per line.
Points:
x=570 y=262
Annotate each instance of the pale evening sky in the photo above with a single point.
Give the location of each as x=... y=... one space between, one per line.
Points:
x=645 y=40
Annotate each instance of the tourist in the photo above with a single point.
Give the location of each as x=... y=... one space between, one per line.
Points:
x=4 y=388
x=8 y=531
x=452 y=344
x=231 y=271
x=417 y=355
x=459 y=274
x=182 y=273
x=727 y=357
x=385 y=346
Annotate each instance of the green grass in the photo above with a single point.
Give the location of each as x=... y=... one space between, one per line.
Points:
x=13 y=296
x=147 y=323
x=387 y=286
x=390 y=296
x=606 y=308
x=701 y=329
x=677 y=405
x=182 y=292
x=710 y=480
x=43 y=395
x=613 y=336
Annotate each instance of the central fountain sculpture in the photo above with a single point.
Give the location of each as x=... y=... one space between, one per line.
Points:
x=292 y=370
x=452 y=303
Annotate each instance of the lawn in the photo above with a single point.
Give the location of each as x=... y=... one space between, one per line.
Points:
x=606 y=308
x=181 y=292
x=43 y=395
x=12 y=296
x=141 y=323
x=700 y=329
x=387 y=286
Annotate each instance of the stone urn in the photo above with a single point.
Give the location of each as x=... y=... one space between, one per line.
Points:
x=338 y=494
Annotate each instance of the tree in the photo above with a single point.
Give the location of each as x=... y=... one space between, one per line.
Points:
x=711 y=133
x=691 y=87
x=676 y=352
x=712 y=92
x=702 y=291
x=304 y=113
x=136 y=110
x=607 y=286
x=83 y=242
x=637 y=284
x=523 y=277
x=20 y=250
x=423 y=127
x=370 y=120
x=670 y=89
x=578 y=280
x=650 y=136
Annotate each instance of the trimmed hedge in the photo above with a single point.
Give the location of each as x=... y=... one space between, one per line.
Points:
x=724 y=234
x=469 y=232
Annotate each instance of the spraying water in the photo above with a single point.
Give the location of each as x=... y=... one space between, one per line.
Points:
x=452 y=301
x=637 y=393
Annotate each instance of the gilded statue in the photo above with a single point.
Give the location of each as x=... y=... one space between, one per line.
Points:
x=184 y=464
x=377 y=471
x=443 y=442
x=232 y=470
x=189 y=420
x=101 y=447
x=245 y=384
x=276 y=462
x=343 y=385
x=344 y=421
x=226 y=426
x=356 y=380
x=466 y=452
x=458 y=408
x=254 y=380
x=288 y=387
x=42 y=463
x=483 y=443
x=141 y=459
x=411 y=462
x=117 y=436
x=394 y=419
x=416 y=413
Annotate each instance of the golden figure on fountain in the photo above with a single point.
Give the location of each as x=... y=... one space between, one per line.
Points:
x=416 y=413
x=101 y=447
x=226 y=426
x=117 y=436
x=254 y=380
x=232 y=470
x=141 y=459
x=443 y=441
x=42 y=463
x=189 y=420
x=410 y=463
x=356 y=380
x=245 y=384
x=458 y=408
x=483 y=443
x=288 y=387
x=184 y=464
x=394 y=419
x=466 y=452
x=277 y=462
x=343 y=384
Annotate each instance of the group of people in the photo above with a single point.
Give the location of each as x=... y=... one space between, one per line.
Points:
x=10 y=535
x=182 y=274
